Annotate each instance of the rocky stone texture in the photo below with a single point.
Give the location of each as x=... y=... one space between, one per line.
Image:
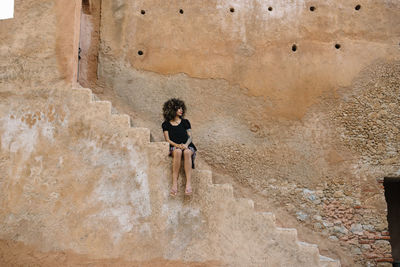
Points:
x=368 y=123
x=78 y=177
x=370 y=118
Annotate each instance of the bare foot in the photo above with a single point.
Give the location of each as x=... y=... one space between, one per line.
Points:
x=173 y=192
x=188 y=191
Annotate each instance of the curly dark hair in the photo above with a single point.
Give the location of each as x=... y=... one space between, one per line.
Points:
x=171 y=106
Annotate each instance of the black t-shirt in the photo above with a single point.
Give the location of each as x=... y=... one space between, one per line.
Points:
x=178 y=133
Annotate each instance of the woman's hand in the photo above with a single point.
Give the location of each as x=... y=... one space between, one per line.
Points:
x=184 y=146
x=181 y=146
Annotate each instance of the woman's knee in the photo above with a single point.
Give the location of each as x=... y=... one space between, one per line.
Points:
x=177 y=152
x=187 y=153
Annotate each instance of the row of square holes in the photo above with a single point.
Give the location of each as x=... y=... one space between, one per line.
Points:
x=294 y=49
x=312 y=8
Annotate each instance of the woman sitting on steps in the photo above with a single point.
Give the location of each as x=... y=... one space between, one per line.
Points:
x=177 y=132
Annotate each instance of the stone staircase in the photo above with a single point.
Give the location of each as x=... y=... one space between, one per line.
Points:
x=229 y=229
x=76 y=176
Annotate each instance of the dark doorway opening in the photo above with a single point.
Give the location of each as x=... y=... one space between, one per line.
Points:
x=89 y=40
x=86 y=7
x=392 y=195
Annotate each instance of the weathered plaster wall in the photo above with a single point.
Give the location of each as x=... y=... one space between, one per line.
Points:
x=50 y=196
x=72 y=180
x=251 y=47
x=75 y=177
x=311 y=130
x=39 y=45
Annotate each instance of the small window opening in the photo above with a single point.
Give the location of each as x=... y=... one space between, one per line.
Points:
x=312 y=8
x=181 y=11
x=337 y=46
x=270 y=8
x=140 y=52
x=392 y=189
x=358 y=7
x=143 y=12
x=294 y=48
x=232 y=9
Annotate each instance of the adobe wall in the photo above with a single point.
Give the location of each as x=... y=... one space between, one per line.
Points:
x=39 y=46
x=311 y=130
x=252 y=47
x=73 y=181
x=78 y=179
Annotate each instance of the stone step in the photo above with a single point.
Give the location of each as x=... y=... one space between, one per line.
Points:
x=100 y=109
x=266 y=219
x=140 y=136
x=204 y=177
x=95 y=97
x=287 y=235
x=245 y=203
x=97 y=114
x=121 y=121
x=308 y=253
x=310 y=250
x=157 y=147
x=81 y=96
x=221 y=191
x=328 y=262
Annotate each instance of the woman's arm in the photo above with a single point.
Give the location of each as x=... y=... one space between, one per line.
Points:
x=189 y=132
x=166 y=137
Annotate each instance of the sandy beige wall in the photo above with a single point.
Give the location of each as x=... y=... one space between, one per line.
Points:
x=310 y=130
x=39 y=46
x=76 y=178
x=252 y=47
x=72 y=180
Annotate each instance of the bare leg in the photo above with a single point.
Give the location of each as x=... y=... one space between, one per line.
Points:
x=187 y=154
x=177 y=155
